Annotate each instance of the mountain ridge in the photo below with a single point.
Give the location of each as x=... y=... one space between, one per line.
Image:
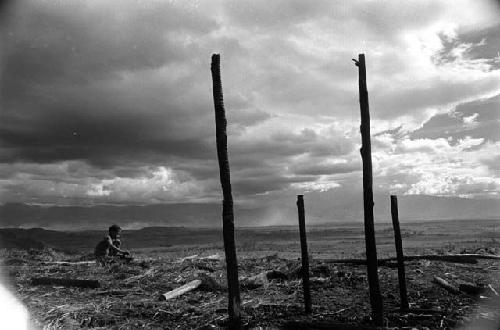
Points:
x=321 y=208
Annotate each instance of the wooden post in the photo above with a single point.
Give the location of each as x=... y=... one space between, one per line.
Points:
x=399 y=252
x=305 y=255
x=366 y=155
x=227 y=204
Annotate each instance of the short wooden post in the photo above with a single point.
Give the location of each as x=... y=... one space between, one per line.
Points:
x=227 y=204
x=399 y=251
x=366 y=156
x=305 y=255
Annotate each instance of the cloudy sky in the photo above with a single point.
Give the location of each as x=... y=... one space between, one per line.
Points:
x=111 y=104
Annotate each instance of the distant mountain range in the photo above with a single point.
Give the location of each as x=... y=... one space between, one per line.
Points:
x=320 y=208
x=249 y=238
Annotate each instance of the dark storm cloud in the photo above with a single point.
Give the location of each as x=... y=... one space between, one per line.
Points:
x=72 y=86
x=105 y=138
x=76 y=43
x=120 y=96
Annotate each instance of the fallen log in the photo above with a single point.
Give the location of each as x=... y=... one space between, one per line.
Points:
x=456 y=258
x=65 y=282
x=447 y=286
x=181 y=290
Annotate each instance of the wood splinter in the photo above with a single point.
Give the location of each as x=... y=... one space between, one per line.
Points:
x=181 y=290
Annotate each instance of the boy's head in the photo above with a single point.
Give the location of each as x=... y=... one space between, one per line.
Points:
x=114 y=230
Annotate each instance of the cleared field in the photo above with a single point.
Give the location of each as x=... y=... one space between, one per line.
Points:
x=128 y=296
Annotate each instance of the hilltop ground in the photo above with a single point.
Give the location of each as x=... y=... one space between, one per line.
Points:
x=128 y=296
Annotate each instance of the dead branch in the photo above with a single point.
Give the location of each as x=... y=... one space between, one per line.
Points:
x=447 y=286
x=65 y=282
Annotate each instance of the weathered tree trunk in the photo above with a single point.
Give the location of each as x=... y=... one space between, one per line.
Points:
x=305 y=255
x=65 y=282
x=366 y=155
x=227 y=205
x=399 y=252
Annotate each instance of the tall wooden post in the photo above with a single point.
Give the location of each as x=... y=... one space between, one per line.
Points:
x=399 y=252
x=366 y=155
x=227 y=205
x=305 y=255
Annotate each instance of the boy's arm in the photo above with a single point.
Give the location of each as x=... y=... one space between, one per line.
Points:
x=113 y=247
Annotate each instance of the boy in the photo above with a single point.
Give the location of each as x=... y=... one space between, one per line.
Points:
x=110 y=246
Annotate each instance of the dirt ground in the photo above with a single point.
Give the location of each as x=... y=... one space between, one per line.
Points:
x=128 y=295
